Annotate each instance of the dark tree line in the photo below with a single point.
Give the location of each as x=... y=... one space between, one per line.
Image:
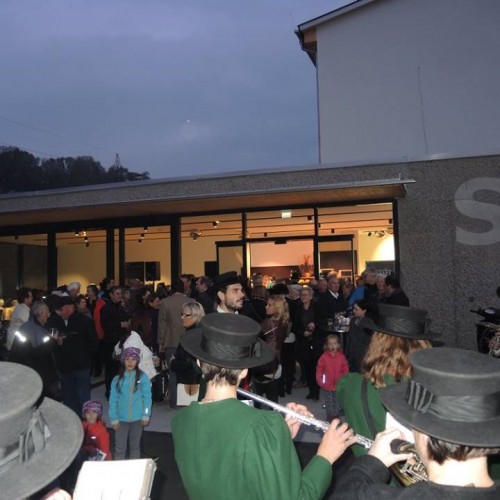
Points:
x=21 y=171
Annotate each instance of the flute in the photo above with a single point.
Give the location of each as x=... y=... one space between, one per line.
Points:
x=317 y=424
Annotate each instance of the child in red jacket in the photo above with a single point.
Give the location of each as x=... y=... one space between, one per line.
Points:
x=95 y=434
x=332 y=365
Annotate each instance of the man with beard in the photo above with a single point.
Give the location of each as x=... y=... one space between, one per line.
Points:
x=230 y=293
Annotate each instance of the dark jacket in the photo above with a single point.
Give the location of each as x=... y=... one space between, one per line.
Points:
x=398 y=298
x=79 y=344
x=112 y=314
x=37 y=354
x=328 y=306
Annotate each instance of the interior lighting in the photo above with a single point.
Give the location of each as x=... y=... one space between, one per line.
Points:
x=369 y=233
x=87 y=244
x=309 y=218
x=286 y=214
x=139 y=240
x=332 y=231
x=145 y=229
x=215 y=223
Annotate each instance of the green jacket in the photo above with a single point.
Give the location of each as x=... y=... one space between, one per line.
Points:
x=227 y=450
x=349 y=397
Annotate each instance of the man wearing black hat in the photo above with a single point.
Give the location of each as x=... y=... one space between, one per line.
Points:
x=225 y=449
x=230 y=293
x=73 y=355
x=452 y=405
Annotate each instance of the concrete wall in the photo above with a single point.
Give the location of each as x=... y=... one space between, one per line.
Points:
x=450 y=242
x=402 y=79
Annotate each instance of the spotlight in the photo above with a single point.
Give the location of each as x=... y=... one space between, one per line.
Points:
x=286 y=214
x=265 y=235
x=309 y=218
x=195 y=234
x=145 y=229
x=84 y=233
x=139 y=241
x=77 y=233
x=319 y=225
x=390 y=221
x=86 y=239
x=142 y=236
x=332 y=231
x=215 y=223
x=87 y=244
x=369 y=233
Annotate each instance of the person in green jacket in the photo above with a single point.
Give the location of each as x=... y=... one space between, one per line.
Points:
x=398 y=331
x=226 y=449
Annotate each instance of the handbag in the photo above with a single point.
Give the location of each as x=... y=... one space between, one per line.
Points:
x=159 y=383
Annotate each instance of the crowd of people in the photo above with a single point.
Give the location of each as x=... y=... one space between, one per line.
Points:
x=355 y=345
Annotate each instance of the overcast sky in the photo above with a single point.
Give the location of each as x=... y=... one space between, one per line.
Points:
x=176 y=87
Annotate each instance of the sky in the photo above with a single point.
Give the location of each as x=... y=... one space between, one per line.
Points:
x=175 y=87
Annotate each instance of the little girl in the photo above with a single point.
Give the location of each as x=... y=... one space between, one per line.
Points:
x=129 y=404
x=95 y=434
x=332 y=365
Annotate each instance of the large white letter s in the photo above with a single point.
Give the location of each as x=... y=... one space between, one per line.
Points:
x=465 y=203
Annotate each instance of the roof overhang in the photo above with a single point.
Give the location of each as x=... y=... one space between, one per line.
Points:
x=134 y=201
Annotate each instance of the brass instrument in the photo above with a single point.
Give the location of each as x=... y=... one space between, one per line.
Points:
x=407 y=473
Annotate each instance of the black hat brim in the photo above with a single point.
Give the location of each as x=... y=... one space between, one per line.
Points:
x=369 y=324
x=192 y=340
x=477 y=434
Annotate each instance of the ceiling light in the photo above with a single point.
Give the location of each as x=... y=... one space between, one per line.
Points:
x=139 y=241
x=215 y=223
x=332 y=231
x=286 y=214
x=142 y=236
x=369 y=233
x=87 y=244
x=309 y=218
x=265 y=235
x=145 y=229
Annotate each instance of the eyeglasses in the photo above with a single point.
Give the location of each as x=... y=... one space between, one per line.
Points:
x=186 y=315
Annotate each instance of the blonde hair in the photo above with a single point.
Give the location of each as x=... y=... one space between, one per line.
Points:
x=389 y=355
x=196 y=310
x=282 y=313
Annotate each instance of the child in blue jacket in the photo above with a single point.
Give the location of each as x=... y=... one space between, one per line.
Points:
x=129 y=404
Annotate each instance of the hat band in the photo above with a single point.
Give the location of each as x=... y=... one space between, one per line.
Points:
x=454 y=408
x=402 y=325
x=226 y=352
x=31 y=441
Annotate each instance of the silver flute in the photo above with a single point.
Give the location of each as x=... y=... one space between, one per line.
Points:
x=317 y=424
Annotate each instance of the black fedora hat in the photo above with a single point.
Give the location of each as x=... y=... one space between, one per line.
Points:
x=454 y=395
x=402 y=321
x=225 y=279
x=229 y=341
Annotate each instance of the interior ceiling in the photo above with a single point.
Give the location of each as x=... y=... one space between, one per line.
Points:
x=267 y=224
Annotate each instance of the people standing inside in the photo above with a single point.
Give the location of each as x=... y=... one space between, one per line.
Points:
x=21 y=313
x=332 y=366
x=239 y=451
x=153 y=307
x=170 y=330
x=274 y=331
x=230 y=293
x=74 y=354
x=73 y=290
x=398 y=332
x=115 y=324
x=92 y=292
x=95 y=434
x=451 y=407
x=129 y=405
x=367 y=288
x=308 y=340
x=33 y=346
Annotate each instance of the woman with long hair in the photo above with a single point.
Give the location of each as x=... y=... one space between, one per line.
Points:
x=275 y=328
x=398 y=332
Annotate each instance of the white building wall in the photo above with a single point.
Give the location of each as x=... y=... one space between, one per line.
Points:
x=401 y=79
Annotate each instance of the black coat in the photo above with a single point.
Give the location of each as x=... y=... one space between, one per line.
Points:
x=112 y=314
x=80 y=342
